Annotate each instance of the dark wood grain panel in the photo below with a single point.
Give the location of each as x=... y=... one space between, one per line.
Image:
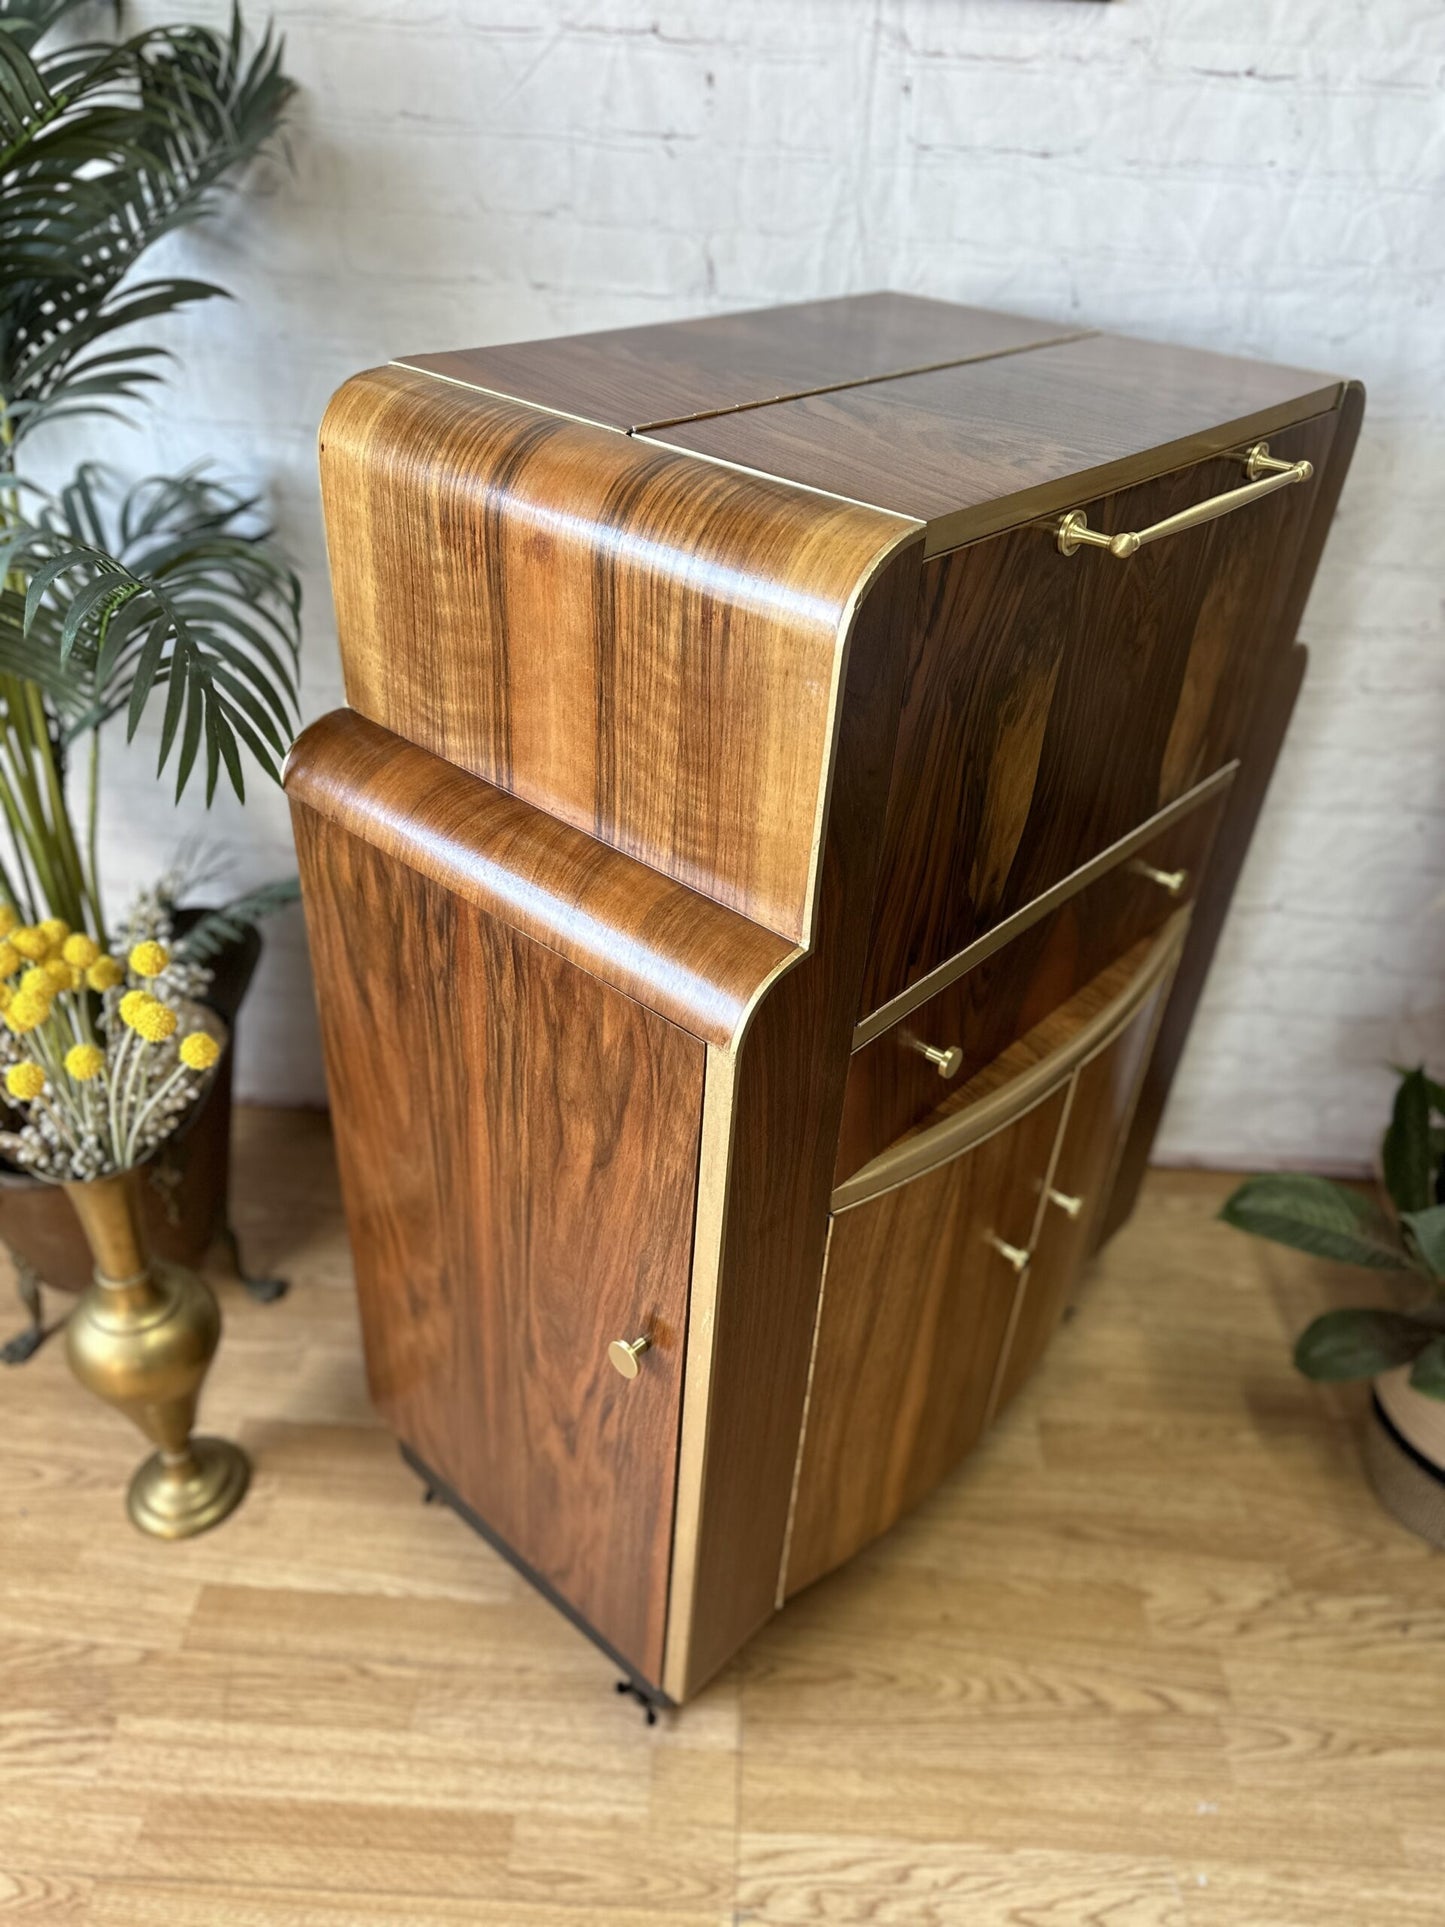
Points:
x=518 y=1149
x=1051 y=708
x=892 y=1086
x=646 y=646
x=635 y=377
x=1101 y=1103
x=975 y=448
x=786 y=1096
x=1271 y=710
x=916 y=1304
x=680 y=954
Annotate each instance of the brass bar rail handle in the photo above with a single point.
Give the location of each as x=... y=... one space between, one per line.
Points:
x=1265 y=476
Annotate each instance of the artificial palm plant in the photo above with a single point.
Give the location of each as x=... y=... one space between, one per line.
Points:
x=171 y=589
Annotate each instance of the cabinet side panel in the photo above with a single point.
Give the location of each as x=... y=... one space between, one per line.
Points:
x=639 y=643
x=518 y=1148
x=787 y=1096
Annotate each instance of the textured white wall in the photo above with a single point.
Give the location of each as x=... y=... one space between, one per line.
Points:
x=1259 y=176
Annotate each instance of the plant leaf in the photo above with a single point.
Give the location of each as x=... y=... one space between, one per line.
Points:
x=1358 y=1344
x=1317 y=1216
x=209 y=934
x=1427 y=1233
x=1427 y=1375
x=1406 y=1148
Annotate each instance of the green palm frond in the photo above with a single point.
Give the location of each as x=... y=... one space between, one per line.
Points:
x=105 y=148
x=174 y=585
x=209 y=935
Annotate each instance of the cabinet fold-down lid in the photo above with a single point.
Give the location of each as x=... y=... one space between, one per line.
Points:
x=962 y=420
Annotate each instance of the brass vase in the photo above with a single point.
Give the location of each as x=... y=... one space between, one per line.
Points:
x=142 y=1337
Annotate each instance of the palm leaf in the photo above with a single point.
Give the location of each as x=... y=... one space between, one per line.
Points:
x=210 y=933
x=175 y=586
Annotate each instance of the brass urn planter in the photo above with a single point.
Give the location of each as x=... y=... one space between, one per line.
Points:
x=142 y=1337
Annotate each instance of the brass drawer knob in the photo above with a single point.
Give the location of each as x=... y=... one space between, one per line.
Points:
x=947 y=1060
x=623 y=1354
x=1011 y=1254
x=1071 y=1207
x=1171 y=881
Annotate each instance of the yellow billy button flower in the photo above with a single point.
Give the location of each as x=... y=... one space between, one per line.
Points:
x=7 y=997
x=32 y=944
x=25 y=1080
x=36 y=981
x=25 y=1011
x=84 y=1061
x=104 y=974
x=80 y=950
x=58 y=972
x=199 y=1050
x=155 y=1021
x=149 y=959
x=9 y=919
x=54 y=930
x=10 y=959
x=132 y=1004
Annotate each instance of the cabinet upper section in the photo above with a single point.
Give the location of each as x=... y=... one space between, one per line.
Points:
x=623 y=576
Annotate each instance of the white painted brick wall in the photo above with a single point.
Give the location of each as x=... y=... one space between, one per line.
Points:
x=1259 y=176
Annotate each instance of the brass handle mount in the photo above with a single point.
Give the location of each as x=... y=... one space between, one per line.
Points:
x=947 y=1060
x=624 y=1354
x=1011 y=1254
x=1265 y=474
x=1069 y=1205
x=1172 y=882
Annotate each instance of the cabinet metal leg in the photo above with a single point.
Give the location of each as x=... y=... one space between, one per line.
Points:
x=25 y=1344
x=264 y=1290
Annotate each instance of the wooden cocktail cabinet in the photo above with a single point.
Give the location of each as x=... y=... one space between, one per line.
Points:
x=795 y=771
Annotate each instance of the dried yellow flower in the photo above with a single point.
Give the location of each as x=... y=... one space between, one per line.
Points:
x=32 y=944
x=104 y=974
x=37 y=981
x=155 y=1021
x=80 y=950
x=54 y=930
x=10 y=959
x=199 y=1050
x=149 y=959
x=9 y=919
x=58 y=972
x=25 y=1011
x=7 y=996
x=25 y=1080
x=84 y=1061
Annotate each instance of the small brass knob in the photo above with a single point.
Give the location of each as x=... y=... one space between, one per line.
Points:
x=1172 y=881
x=947 y=1060
x=1011 y=1254
x=1071 y=1207
x=623 y=1354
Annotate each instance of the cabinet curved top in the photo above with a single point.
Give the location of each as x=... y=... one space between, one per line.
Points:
x=648 y=646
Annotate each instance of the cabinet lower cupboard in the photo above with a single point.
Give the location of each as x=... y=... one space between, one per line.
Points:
x=793 y=773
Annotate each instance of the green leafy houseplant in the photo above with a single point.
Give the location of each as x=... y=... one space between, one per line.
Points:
x=1330 y=1221
x=171 y=590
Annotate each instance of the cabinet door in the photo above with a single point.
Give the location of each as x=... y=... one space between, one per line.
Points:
x=1055 y=703
x=1101 y=1103
x=917 y=1298
x=518 y=1155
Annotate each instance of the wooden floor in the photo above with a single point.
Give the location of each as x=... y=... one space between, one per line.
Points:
x=1152 y=1656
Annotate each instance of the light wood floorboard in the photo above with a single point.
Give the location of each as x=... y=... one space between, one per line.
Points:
x=1153 y=1658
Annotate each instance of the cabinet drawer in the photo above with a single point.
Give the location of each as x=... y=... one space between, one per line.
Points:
x=1053 y=703
x=1044 y=957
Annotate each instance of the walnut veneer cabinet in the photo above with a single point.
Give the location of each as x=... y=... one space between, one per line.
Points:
x=796 y=767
